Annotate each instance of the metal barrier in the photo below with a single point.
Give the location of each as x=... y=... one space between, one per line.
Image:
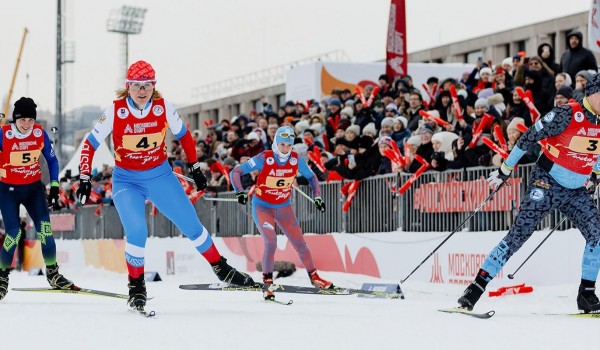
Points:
x=436 y=201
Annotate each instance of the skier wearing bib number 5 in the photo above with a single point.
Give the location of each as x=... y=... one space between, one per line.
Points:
x=271 y=202
x=557 y=181
x=22 y=143
x=139 y=120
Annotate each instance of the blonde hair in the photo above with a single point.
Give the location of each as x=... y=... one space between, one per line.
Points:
x=124 y=92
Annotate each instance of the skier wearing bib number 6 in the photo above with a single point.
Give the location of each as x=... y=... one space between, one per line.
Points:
x=272 y=199
x=557 y=181
x=139 y=120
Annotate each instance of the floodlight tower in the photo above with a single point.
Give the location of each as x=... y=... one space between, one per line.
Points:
x=125 y=20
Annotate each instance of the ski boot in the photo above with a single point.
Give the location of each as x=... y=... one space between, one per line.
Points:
x=474 y=291
x=56 y=280
x=4 y=283
x=587 y=301
x=267 y=282
x=137 y=293
x=318 y=281
x=228 y=274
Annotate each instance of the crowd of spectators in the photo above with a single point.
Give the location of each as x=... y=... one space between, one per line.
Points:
x=352 y=132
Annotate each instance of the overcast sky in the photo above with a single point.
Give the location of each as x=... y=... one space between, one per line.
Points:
x=194 y=42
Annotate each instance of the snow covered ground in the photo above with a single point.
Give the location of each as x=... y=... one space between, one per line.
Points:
x=228 y=320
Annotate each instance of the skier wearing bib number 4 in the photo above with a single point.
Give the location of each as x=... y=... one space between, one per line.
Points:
x=557 y=181
x=139 y=120
x=271 y=202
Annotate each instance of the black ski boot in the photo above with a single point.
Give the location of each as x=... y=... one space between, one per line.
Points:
x=137 y=293
x=4 y=283
x=228 y=274
x=474 y=291
x=268 y=281
x=56 y=280
x=587 y=301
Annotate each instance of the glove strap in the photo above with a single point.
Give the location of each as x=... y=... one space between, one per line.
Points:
x=505 y=169
x=195 y=166
x=54 y=183
x=84 y=177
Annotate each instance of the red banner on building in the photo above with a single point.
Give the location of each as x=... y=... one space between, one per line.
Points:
x=396 y=58
x=465 y=196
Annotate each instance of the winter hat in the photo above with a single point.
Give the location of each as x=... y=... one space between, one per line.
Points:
x=229 y=161
x=316 y=127
x=495 y=99
x=425 y=128
x=583 y=73
x=485 y=93
x=301 y=126
x=392 y=107
x=592 y=85
x=335 y=102
x=485 y=70
x=140 y=71
x=565 y=91
x=445 y=138
x=507 y=61
x=385 y=140
x=348 y=111
x=349 y=103
x=343 y=124
x=354 y=129
x=290 y=104
x=369 y=129
x=387 y=121
x=514 y=122
x=402 y=119
x=252 y=136
x=463 y=93
x=414 y=140
x=482 y=102
x=25 y=107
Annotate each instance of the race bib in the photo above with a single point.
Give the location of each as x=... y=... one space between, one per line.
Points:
x=22 y=158
x=584 y=144
x=142 y=142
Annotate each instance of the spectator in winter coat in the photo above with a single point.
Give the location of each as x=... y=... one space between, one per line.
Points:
x=561 y=79
x=415 y=102
x=399 y=131
x=580 y=81
x=363 y=115
x=546 y=53
x=517 y=108
x=425 y=150
x=367 y=159
x=576 y=57
x=385 y=167
x=563 y=95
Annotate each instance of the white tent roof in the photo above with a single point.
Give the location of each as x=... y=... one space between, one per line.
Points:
x=102 y=156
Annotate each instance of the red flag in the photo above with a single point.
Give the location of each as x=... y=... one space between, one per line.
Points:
x=396 y=57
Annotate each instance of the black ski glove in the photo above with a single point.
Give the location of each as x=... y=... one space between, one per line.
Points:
x=320 y=204
x=53 y=196
x=198 y=176
x=242 y=197
x=85 y=188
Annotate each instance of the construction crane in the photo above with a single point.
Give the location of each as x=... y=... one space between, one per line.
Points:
x=12 y=84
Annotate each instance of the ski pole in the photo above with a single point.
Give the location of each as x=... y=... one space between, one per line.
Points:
x=304 y=194
x=189 y=179
x=215 y=199
x=456 y=229
x=512 y=275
